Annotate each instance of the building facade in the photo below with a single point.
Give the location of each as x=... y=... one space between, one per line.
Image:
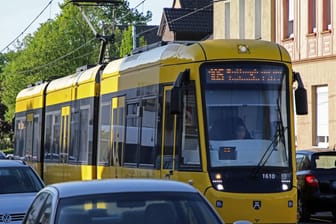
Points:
x=244 y=19
x=307 y=30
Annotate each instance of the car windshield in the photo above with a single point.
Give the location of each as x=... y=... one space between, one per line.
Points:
x=18 y=180
x=144 y=207
x=324 y=161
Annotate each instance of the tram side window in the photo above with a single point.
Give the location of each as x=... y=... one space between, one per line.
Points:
x=104 y=134
x=132 y=133
x=190 y=150
x=80 y=143
x=29 y=138
x=85 y=139
x=118 y=130
x=148 y=131
x=36 y=139
x=74 y=135
x=52 y=136
x=20 y=136
x=48 y=137
x=56 y=136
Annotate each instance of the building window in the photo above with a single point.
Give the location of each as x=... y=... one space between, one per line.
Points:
x=288 y=19
x=326 y=15
x=227 y=20
x=322 y=127
x=241 y=19
x=257 y=15
x=311 y=16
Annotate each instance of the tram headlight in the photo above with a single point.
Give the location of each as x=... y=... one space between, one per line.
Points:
x=285 y=187
x=217 y=181
x=220 y=187
x=286 y=181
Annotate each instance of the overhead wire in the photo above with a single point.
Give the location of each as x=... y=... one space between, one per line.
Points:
x=149 y=30
x=57 y=59
x=68 y=54
x=8 y=45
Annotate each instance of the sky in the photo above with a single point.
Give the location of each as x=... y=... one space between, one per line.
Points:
x=16 y=15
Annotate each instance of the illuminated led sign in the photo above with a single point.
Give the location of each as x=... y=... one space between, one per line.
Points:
x=244 y=74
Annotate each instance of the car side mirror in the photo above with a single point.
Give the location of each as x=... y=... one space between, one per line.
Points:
x=301 y=103
x=176 y=100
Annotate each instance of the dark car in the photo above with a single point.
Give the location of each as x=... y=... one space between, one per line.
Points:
x=316 y=179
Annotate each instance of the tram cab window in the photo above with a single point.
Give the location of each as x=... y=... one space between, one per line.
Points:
x=190 y=144
x=169 y=135
x=189 y=150
x=262 y=105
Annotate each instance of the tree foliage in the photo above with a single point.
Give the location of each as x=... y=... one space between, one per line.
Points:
x=61 y=45
x=126 y=42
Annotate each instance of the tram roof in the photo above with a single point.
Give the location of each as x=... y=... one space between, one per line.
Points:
x=173 y=53
x=210 y=50
x=147 y=58
x=35 y=90
x=75 y=79
x=256 y=49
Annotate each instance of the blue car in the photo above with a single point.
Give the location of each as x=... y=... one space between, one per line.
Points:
x=122 y=201
x=19 y=184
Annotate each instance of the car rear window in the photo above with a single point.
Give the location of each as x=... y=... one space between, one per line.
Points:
x=140 y=208
x=324 y=161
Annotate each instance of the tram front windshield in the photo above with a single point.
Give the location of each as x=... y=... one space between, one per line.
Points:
x=246 y=114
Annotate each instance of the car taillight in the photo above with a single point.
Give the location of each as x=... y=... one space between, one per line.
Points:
x=311 y=180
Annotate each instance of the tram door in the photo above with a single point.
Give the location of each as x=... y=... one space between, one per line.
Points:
x=168 y=158
x=64 y=141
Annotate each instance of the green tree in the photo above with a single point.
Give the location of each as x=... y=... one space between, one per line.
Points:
x=126 y=42
x=61 y=45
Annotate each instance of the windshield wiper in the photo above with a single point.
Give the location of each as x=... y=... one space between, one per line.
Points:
x=277 y=138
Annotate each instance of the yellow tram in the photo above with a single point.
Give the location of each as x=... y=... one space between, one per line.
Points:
x=172 y=112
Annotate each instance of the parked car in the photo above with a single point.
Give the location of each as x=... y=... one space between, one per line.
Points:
x=19 y=184
x=123 y=201
x=316 y=177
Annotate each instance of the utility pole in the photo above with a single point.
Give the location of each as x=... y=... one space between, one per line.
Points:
x=104 y=38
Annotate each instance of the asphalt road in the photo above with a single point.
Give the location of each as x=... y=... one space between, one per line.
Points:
x=321 y=217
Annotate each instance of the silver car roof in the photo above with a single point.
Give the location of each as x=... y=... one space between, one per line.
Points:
x=12 y=163
x=78 y=188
